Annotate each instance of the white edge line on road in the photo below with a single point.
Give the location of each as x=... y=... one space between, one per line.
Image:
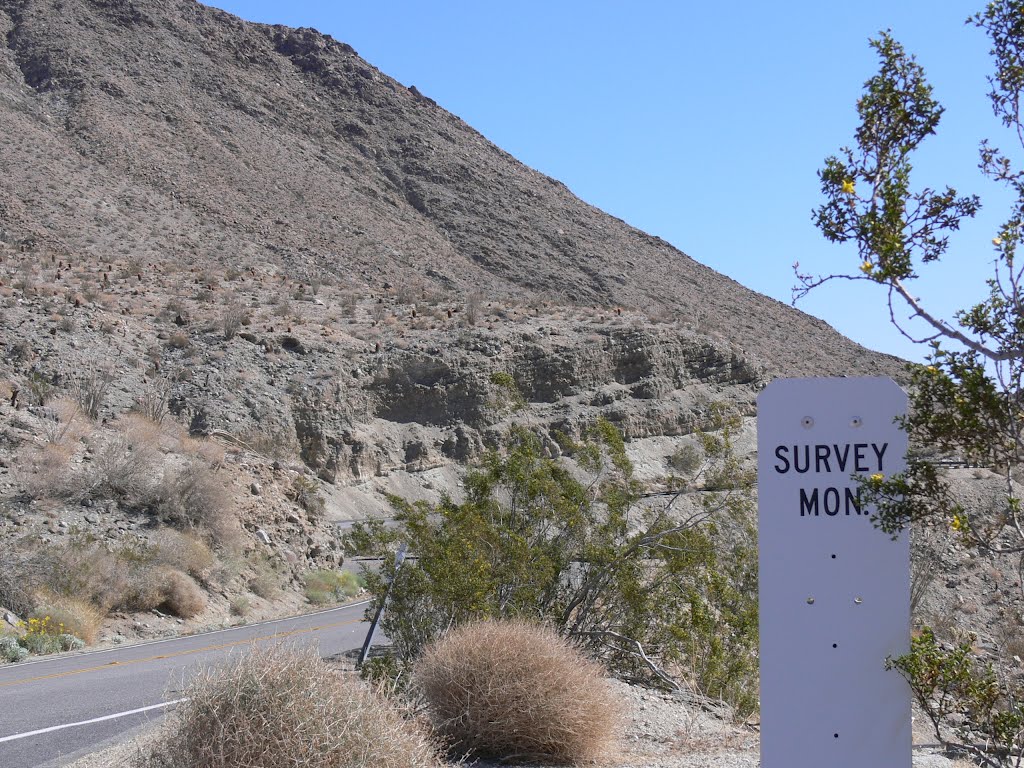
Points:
x=16 y=736
x=126 y=646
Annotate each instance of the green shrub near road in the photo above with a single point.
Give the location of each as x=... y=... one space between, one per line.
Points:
x=664 y=593
x=325 y=586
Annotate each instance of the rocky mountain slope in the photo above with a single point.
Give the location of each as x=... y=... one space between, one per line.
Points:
x=175 y=133
x=314 y=284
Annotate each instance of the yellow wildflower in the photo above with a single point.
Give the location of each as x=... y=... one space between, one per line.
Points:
x=848 y=187
x=877 y=477
x=958 y=523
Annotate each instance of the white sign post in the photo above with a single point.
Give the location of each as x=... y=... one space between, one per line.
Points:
x=834 y=590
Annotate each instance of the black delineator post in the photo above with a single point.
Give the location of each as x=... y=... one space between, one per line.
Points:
x=399 y=559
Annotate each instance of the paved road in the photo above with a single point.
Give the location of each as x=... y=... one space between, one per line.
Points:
x=54 y=710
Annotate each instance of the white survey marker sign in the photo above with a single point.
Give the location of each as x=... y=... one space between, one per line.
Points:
x=834 y=590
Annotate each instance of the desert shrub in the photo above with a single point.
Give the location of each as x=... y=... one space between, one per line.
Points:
x=63 y=422
x=82 y=569
x=185 y=550
x=90 y=390
x=277 y=707
x=178 y=340
x=513 y=689
x=686 y=460
x=72 y=616
x=235 y=315
x=190 y=497
x=152 y=403
x=18 y=578
x=661 y=592
x=265 y=581
x=305 y=492
x=181 y=595
x=78 y=583
x=46 y=472
x=164 y=588
x=124 y=469
x=277 y=443
x=40 y=387
x=239 y=606
x=143 y=591
x=474 y=302
x=11 y=650
x=42 y=635
x=326 y=586
x=69 y=642
x=506 y=395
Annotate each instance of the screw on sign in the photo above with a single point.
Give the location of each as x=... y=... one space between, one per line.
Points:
x=834 y=590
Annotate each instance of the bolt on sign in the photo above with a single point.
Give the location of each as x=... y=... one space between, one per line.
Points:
x=834 y=590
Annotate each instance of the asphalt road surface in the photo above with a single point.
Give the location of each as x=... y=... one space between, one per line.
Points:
x=54 y=710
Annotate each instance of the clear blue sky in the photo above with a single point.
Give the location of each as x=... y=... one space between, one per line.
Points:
x=701 y=123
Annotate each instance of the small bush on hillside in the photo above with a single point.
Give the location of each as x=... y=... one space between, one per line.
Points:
x=81 y=569
x=278 y=707
x=185 y=551
x=90 y=390
x=72 y=616
x=182 y=597
x=44 y=634
x=239 y=606
x=324 y=586
x=46 y=472
x=265 y=580
x=305 y=492
x=124 y=469
x=513 y=689
x=686 y=460
x=11 y=650
x=192 y=497
x=16 y=581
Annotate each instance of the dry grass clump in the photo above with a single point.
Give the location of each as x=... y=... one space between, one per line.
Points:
x=46 y=472
x=82 y=568
x=514 y=689
x=78 y=617
x=17 y=579
x=166 y=589
x=85 y=580
x=192 y=497
x=279 y=707
x=185 y=550
x=182 y=596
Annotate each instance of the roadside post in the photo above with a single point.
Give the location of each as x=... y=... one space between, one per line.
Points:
x=834 y=590
x=399 y=559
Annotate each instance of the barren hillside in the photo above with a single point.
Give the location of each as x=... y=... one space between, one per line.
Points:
x=248 y=282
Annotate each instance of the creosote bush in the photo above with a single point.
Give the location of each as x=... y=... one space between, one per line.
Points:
x=281 y=707
x=514 y=689
x=663 y=591
x=965 y=403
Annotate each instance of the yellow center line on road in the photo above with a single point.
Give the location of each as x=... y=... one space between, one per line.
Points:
x=218 y=647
